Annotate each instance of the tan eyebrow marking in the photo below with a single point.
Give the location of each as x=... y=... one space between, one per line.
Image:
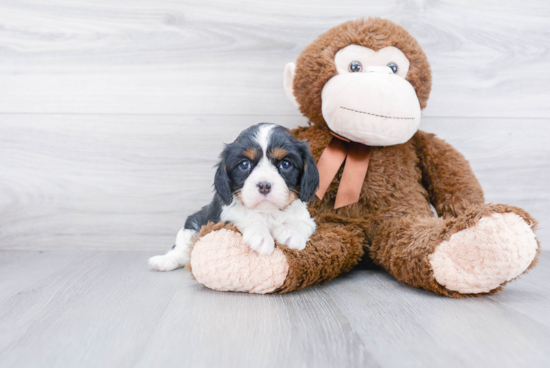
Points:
x=278 y=153
x=251 y=153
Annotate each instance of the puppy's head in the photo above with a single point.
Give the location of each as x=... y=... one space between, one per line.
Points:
x=266 y=168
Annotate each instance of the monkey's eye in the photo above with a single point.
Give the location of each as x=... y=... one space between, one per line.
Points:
x=393 y=67
x=245 y=165
x=355 y=67
x=285 y=165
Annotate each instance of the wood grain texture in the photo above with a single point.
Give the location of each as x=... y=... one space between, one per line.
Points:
x=129 y=181
x=227 y=57
x=105 y=309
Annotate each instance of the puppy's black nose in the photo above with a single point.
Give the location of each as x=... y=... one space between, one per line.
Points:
x=264 y=187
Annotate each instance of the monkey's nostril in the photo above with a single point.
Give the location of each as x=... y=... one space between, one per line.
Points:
x=264 y=187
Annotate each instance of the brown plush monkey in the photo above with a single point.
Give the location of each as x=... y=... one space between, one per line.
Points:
x=362 y=86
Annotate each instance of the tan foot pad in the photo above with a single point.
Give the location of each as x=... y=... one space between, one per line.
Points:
x=221 y=261
x=481 y=258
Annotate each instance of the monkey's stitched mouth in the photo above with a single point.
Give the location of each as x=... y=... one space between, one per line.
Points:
x=381 y=116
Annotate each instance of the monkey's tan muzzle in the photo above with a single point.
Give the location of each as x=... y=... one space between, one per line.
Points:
x=375 y=108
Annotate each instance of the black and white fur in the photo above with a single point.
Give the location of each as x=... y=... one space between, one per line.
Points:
x=261 y=185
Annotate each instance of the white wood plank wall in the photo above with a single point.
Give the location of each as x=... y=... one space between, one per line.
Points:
x=112 y=113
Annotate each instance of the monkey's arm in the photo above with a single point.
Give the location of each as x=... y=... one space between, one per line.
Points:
x=446 y=175
x=222 y=261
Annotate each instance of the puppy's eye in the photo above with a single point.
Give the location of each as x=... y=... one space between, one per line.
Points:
x=285 y=165
x=393 y=67
x=355 y=67
x=245 y=165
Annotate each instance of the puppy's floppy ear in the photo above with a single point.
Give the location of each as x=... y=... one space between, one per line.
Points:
x=222 y=184
x=310 y=176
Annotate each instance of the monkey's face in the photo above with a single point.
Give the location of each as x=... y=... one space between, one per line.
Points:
x=369 y=100
x=367 y=80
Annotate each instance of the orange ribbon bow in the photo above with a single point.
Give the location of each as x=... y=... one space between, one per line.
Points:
x=355 y=169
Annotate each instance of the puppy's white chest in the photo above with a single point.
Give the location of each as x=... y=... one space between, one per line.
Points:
x=291 y=226
x=272 y=220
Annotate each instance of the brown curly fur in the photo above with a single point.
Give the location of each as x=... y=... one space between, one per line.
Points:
x=315 y=66
x=392 y=222
x=333 y=250
x=402 y=180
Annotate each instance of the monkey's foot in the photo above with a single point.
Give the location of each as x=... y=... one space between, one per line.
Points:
x=221 y=261
x=483 y=257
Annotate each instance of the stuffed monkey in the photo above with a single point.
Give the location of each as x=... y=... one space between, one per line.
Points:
x=362 y=86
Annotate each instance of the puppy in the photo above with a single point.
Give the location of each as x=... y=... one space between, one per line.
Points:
x=261 y=185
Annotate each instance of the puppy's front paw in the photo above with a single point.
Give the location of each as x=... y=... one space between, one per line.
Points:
x=290 y=237
x=260 y=240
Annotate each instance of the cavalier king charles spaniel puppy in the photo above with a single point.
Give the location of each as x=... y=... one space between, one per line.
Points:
x=262 y=184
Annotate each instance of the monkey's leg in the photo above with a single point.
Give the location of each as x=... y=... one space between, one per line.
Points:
x=221 y=261
x=475 y=253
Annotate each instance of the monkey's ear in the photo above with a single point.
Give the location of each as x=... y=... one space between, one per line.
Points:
x=289 y=81
x=222 y=184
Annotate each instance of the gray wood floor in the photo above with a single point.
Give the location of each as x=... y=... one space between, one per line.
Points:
x=112 y=114
x=104 y=309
